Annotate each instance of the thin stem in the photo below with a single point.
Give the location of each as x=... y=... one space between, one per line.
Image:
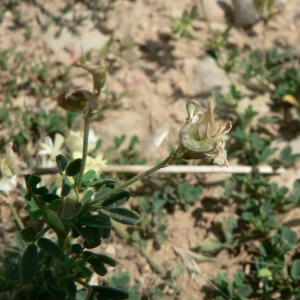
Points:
x=15 y=214
x=140 y=176
x=42 y=232
x=87 y=124
x=264 y=43
x=89 y=288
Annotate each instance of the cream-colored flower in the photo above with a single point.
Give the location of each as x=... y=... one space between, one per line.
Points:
x=97 y=164
x=74 y=141
x=8 y=177
x=199 y=139
x=49 y=149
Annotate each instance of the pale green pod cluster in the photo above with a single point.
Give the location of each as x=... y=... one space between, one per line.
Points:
x=197 y=138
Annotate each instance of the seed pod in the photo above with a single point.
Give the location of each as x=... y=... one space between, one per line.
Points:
x=79 y=101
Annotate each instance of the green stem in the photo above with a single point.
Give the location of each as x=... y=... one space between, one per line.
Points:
x=140 y=176
x=16 y=216
x=87 y=124
x=89 y=288
x=41 y=233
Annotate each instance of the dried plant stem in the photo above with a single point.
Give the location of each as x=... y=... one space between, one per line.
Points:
x=177 y=169
x=195 y=169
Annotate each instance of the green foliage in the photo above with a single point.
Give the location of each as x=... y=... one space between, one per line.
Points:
x=59 y=216
x=236 y=289
x=184 y=26
x=129 y=155
x=40 y=267
x=123 y=281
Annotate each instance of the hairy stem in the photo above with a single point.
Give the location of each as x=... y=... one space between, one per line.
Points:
x=140 y=176
x=87 y=124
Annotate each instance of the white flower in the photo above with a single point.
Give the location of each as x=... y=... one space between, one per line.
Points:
x=49 y=149
x=8 y=177
x=97 y=164
x=74 y=141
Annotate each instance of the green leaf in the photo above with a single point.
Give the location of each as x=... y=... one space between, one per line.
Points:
x=289 y=238
x=56 y=291
x=43 y=190
x=69 y=263
x=116 y=200
x=178 y=270
x=35 y=215
x=244 y=291
x=70 y=288
x=73 y=168
x=97 y=221
x=54 y=220
x=89 y=175
x=84 y=233
x=239 y=278
x=102 y=191
x=99 y=267
x=55 y=204
x=28 y=234
x=96 y=242
x=229 y=227
x=264 y=273
x=100 y=183
x=110 y=292
x=29 y=263
x=107 y=260
x=51 y=249
x=118 y=141
x=76 y=248
x=66 y=187
x=122 y=215
x=103 y=258
x=286 y=153
x=212 y=54
x=32 y=181
x=97 y=264
x=295 y=270
x=48 y=198
x=120 y=280
x=211 y=244
x=62 y=162
x=87 y=196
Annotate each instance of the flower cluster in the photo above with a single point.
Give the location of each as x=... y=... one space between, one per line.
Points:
x=50 y=149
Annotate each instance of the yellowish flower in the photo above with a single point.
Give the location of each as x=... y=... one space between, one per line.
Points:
x=97 y=164
x=74 y=141
x=8 y=174
x=49 y=149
